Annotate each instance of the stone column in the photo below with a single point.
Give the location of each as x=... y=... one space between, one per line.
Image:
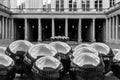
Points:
x=0 y=27
x=110 y=29
x=93 y=37
x=26 y=29
x=66 y=3
x=39 y=30
x=117 y=28
x=113 y=21
x=53 y=27
x=79 y=30
x=6 y=27
x=66 y=27
x=12 y=27
x=107 y=33
x=9 y=28
x=3 y=27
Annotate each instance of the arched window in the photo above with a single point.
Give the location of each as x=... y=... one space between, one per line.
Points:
x=98 y=5
x=85 y=5
x=72 y=5
x=112 y=2
x=59 y=5
x=46 y=5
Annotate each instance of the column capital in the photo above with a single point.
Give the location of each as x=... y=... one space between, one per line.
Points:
x=93 y=18
x=80 y=18
x=106 y=18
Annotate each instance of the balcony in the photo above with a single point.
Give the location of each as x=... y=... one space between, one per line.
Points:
x=59 y=11
x=113 y=8
x=54 y=10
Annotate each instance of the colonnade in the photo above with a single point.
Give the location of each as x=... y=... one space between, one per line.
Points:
x=112 y=28
x=6 y=28
x=66 y=29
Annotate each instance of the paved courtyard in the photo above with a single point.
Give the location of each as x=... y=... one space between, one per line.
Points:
x=109 y=76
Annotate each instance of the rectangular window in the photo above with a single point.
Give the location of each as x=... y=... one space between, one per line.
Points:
x=62 y=5
x=112 y=2
x=70 y=5
x=85 y=5
x=75 y=6
x=98 y=5
x=49 y=7
x=57 y=5
x=44 y=7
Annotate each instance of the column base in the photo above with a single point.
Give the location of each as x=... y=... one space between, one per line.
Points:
x=106 y=41
x=79 y=41
x=39 y=40
x=93 y=40
x=26 y=39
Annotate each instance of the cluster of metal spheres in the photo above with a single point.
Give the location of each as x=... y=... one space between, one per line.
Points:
x=54 y=60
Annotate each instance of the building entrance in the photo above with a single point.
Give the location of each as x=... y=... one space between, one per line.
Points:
x=87 y=31
x=32 y=30
x=59 y=27
x=46 y=29
x=100 y=30
x=19 y=29
x=73 y=29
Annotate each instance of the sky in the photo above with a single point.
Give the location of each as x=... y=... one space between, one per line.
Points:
x=19 y=2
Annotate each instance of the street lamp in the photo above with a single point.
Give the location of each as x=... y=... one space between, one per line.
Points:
x=85 y=26
x=59 y=27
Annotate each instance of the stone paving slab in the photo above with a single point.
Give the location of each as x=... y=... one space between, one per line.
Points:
x=108 y=77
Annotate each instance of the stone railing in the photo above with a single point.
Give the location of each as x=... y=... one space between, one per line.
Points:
x=60 y=38
x=54 y=10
